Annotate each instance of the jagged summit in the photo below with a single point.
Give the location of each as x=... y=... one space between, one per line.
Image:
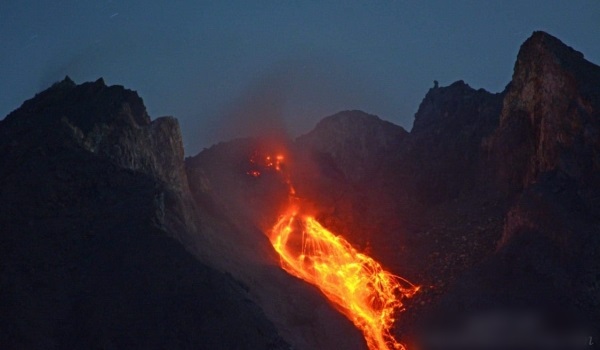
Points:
x=545 y=56
x=66 y=82
x=541 y=44
x=453 y=106
x=84 y=105
x=107 y=120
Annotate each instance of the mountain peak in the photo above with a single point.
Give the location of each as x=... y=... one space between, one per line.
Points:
x=450 y=107
x=542 y=43
x=85 y=105
x=110 y=121
x=353 y=139
x=543 y=54
x=355 y=126
x=67 y=82
x=352 y=116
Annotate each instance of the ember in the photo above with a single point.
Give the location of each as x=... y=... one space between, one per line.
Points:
x=254 y=173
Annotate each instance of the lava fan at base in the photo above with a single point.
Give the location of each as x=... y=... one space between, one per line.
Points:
x=354 y=282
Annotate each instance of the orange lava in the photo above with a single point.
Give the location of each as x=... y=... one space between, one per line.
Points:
x=355 y=283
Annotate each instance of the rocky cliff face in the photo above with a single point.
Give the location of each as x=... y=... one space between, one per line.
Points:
x=90 y=191
x=112 y=122
x=544 y=156
x=548 y=144
x=551 y=114
x=445 y=144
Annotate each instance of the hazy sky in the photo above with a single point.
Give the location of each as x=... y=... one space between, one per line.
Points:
x=247 y=63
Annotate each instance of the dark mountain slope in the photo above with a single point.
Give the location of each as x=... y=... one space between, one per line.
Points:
x=90 y=196
x=444 y=150
x=335 y=167
x=544 y=156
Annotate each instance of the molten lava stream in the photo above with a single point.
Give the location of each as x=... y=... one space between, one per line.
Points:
x=354 y=282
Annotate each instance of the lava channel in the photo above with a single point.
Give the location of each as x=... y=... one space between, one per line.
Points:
x=355 y=283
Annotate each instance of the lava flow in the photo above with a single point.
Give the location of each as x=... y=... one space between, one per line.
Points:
x=356 y=284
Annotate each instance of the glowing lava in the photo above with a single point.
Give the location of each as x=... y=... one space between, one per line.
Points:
x=357 y=285
x=354 y=282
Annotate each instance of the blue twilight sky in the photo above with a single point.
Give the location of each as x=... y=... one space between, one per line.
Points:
x=233 y=68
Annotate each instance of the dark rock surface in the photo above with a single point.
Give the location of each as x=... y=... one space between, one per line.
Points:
x=551 y=114
x=544 y=154
x=542 y=162
x=356 y=142
x=555 y=98
x=90 y=197
x=443 y=153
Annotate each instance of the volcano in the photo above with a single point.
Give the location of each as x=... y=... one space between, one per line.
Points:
x=478 y=229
